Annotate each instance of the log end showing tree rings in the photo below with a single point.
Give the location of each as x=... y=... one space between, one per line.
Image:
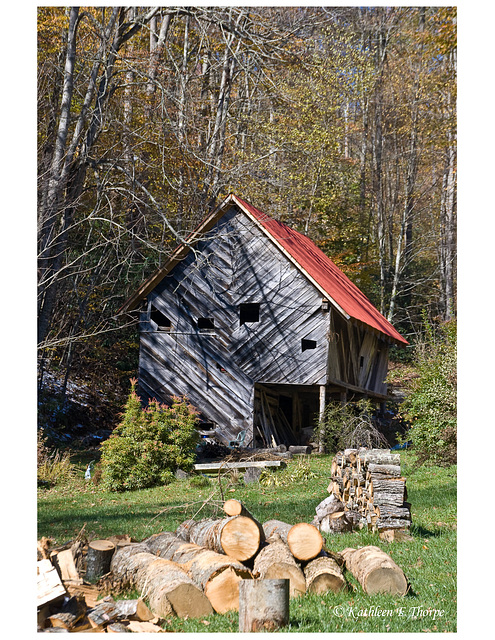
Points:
x=233 y=507
x=223 y=590
x=241 y=538
x=297 y=581
x=305 y=541
x=188 y=602
x=386 y=580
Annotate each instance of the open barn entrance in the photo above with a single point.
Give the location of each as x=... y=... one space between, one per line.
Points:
x=284 y=414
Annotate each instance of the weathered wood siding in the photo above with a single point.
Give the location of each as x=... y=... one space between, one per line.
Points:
x=356 y=356
x=217 y=368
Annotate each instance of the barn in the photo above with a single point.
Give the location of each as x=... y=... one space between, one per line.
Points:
x=258 y=328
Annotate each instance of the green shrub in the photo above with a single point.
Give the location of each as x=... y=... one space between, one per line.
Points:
x=149 y=444
x=431 y=405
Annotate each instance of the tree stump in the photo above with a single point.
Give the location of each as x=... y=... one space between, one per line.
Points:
x=263 y=605
x=375 y=571
x=98 y=559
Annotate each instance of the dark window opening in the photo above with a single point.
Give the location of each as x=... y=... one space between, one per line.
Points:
x=308 y=344
x=249 y=312
x=163 y=323
x=361 y=362
x=206 y=323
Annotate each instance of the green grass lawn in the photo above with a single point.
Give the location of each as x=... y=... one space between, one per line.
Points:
x=428 y=561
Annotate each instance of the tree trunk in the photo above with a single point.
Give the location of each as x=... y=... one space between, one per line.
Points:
x=276 y=561
x=375 y=571
x=263 y=605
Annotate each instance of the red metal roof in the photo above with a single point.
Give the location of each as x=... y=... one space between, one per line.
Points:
x=324 y=272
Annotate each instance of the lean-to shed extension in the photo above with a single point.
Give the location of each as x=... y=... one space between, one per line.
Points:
x=257 y=327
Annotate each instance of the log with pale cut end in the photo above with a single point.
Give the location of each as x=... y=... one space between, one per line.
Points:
x=164 y=583
x=98 y=559
x=375 y=571
x=328 y=506
x=134 y=610
x=276 y=561
x=304 y=540
x=336 y=522
x=324 y=574
x=233 y=507
x=217 y=574
x=263 y=605
x=237 y=536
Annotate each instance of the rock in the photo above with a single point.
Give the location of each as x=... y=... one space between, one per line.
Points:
x=252 y=474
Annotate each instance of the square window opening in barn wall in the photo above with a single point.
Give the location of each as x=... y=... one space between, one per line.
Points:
x=249 y=312
x=308 y=344
x=163 y=323
x=206 y=324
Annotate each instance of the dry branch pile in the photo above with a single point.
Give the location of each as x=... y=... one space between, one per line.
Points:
x=188 y=573
x=366 y=490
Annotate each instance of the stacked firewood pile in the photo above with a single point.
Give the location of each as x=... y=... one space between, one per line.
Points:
x=366 y=489
x=198 y=570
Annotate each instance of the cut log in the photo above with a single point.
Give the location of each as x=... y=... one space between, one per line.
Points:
x=328 y=506
x=118 y=627
x=378 y=456
x=395 y=535
x=375 y=571
x=135 y=626
x=324 y=574
x=300 y=450
x=49 y=584
x=217 y=574
x=336 y=522
x=303 y=539
x=64 y=563
x=134 y=610
x=103 y=613
x=387 y=470
x=276 y=561
x=263 y=605
x=98 y=559
x=237 y=536
x=163 y=582
x=233 y=507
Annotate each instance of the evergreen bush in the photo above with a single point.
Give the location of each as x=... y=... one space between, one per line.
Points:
x=149 y=444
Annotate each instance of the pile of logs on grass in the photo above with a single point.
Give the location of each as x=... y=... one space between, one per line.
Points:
x=199 y=569
x=366 y=490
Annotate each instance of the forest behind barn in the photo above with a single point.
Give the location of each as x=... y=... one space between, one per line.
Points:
x=341 y=122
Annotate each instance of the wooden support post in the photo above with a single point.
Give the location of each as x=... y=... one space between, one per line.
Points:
x=343 y=397
x=263 y=605
x=321 y=444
